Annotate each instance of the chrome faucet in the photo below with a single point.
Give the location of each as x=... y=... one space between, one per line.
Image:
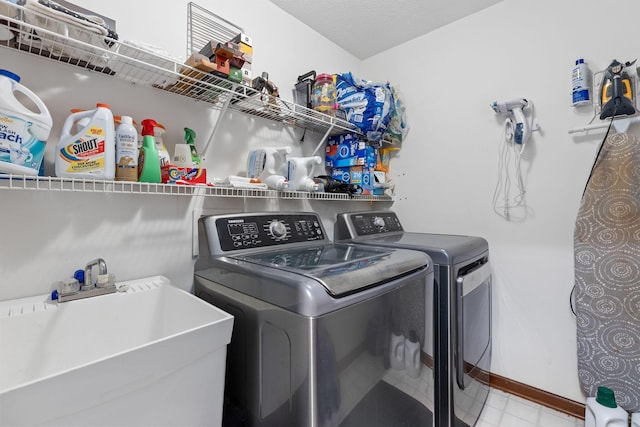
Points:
x=105 y=283
x=102 y=269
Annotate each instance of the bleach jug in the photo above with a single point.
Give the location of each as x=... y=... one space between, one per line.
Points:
x=602 y=410
x=300 y=173
x=23 y=132
x=90 y=152
x=269 y=165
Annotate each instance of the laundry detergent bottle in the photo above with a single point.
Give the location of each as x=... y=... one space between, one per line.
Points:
x=149 y=160
x=602 y=410
x=23 y=132
x=89 y=152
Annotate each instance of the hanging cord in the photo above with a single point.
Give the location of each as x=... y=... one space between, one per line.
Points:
x=595 y=162
x=503 y=185
x=572 y=301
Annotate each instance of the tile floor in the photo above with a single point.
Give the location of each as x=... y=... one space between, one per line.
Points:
x=505 y=410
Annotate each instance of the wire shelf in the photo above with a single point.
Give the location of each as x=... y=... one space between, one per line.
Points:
x=50 y=183
x=32 y=31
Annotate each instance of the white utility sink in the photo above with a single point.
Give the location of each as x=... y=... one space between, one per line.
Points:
x=153 y=355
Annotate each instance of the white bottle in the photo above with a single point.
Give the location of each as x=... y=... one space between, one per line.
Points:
x=126 y=150
x=602 y=410
x=635 y=419
x=267 y=161
x=300 y=173
x=23 y=132
x=396 y=350
x=581 y=84
x=91 y=152
x=412 y=362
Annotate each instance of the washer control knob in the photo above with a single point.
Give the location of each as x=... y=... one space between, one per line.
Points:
x=378 y=221
x=278 y=229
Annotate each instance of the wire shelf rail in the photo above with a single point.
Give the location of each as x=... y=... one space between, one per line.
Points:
x=50 y=183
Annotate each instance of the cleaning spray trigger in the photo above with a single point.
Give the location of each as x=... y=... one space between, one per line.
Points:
x=189 y=138
x=147 y=127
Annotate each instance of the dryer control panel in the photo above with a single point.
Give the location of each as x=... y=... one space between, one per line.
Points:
x=369 y=223
x=251 y=231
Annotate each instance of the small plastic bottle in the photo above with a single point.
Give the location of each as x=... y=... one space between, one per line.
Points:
x=412 y=363
x=397 y=350
x=602 y=410
x=581 y=84
x=126 y=150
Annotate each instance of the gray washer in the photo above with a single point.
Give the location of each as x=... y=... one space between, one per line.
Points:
x=463 y=313
x=313 y=321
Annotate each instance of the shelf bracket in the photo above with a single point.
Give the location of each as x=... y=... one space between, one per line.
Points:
x=620 y=125
x=216 y=126
x=324 y=139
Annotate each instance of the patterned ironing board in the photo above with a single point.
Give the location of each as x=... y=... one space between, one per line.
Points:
x=607 y=274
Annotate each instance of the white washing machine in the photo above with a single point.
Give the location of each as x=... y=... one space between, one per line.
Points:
x=313 y=323
x=462 y=276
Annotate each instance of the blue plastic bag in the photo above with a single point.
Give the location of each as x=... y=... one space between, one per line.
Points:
x=367 y=105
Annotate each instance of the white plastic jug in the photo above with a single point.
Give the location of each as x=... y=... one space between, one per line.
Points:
x=602 y=410
x=412 y=361
x=635 y=419
x=264 y=162
x=90 y=152
x=23 y=132
x=396 y=350
x=269 y=165
x=300 y=173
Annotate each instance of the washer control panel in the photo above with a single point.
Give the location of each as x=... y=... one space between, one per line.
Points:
x=251 y=231
x=369 y=223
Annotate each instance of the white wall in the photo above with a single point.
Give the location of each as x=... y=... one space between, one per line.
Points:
x=447 y=169
x=48 y=235
x=445 y=173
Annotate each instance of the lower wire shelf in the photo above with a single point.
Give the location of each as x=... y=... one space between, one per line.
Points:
x=49 y=183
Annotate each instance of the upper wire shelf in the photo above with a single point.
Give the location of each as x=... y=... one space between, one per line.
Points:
x=91 y=48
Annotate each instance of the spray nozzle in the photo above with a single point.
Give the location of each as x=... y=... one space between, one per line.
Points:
x=189 y=136
x=148 y=126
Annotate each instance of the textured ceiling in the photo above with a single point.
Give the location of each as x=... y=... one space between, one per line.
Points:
x=367 y=27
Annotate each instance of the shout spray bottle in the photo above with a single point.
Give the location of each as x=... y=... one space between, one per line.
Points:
x=149 y=160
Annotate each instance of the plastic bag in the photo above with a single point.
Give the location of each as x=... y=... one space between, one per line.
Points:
x=398 y=126
x=368 y=105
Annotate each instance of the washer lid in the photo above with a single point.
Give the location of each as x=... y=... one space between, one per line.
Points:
x=340 y=267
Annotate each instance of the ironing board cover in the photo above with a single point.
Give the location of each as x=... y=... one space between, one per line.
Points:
x=607 y=274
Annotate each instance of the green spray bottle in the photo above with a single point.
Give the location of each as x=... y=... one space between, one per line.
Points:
x=189 y=138
x=149 y=160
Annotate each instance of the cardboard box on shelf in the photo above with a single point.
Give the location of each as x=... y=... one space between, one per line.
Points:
x=190 y=175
